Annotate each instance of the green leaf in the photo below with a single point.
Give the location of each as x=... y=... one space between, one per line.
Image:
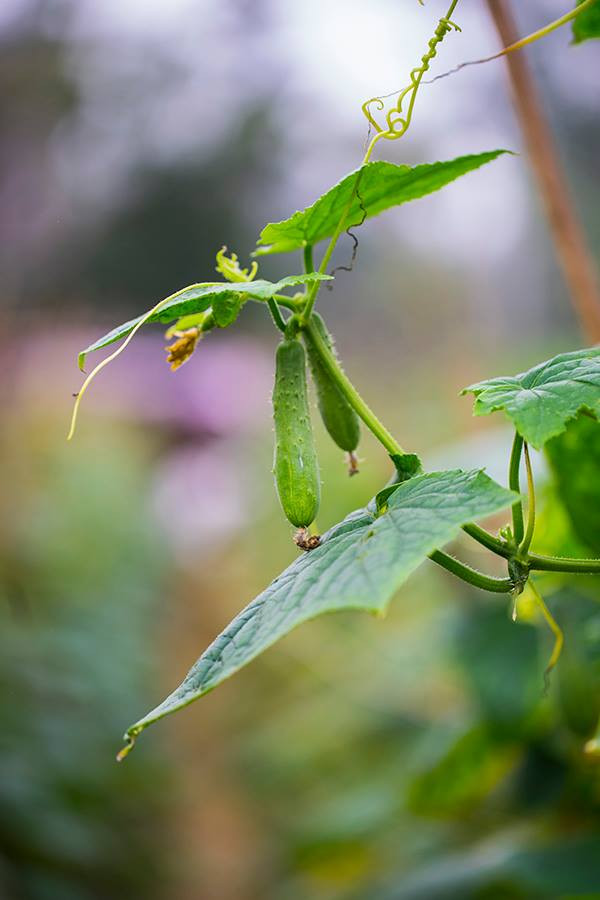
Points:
x=224 y=297
x=378 y=186
x=406 y=465
x=226 y=308
x=575 y=459
x=360 y=564
x=587 y=23
x=541 y=401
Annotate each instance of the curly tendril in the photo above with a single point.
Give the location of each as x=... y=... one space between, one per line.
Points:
x=398 y=122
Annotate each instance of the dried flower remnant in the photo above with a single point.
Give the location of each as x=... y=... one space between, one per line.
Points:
x=305 y=540
x=183 y=347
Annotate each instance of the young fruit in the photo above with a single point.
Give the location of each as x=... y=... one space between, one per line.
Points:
x=339 y=418
x=295 y=466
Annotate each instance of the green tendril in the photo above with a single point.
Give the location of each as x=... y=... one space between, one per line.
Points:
x=398 y=122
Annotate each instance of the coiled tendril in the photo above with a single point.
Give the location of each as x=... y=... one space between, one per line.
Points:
x=397 y=122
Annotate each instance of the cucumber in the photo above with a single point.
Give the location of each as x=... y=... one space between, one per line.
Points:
x=295 y=465
x=339 y=418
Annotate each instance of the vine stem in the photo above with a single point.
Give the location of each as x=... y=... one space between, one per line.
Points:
x=541 y=32
x=563 y=564
x=340 y=378
x=471 y=575
x=515 y=43
x=526 y=544
x=515 y=485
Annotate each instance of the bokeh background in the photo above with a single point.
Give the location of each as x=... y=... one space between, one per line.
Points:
x=410 y=757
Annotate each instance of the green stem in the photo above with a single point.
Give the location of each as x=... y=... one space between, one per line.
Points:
x=287 y=302
x=546 y=30
x=276 y=314
x=564 y=564
x=350 y=393
x=470 y=575
x=309 y=264
x=486 y=539
x=515 y=485
x=524 y=547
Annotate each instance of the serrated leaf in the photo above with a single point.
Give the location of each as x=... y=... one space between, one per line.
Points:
x=360 y=564
x=587 y=24
x=199 y=297
x=381 y=185
x=542 y=400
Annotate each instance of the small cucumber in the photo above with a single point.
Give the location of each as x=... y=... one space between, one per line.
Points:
x=339 y=418
x=295 y=466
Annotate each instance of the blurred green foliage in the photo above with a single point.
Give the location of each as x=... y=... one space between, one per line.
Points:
x=81 y=573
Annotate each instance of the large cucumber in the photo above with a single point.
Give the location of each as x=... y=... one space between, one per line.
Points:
x=295 y=467
x=339 y=418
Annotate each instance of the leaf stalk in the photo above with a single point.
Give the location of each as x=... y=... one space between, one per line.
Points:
x=470 y=575
x=515 y=485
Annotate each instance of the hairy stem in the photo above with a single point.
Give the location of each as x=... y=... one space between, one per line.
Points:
x=350 y=393
x=563 y=564
x=578 y=267
x=471 y=575
x=276 y=314
x=515 y=485
x=486 y=539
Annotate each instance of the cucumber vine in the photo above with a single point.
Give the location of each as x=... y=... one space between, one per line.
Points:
x=362 y=561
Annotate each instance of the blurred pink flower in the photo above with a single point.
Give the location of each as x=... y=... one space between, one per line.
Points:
x=223 y=390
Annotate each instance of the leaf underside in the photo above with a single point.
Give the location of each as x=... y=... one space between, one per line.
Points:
x=587 y=23
x=381 y=185
x=360 y=563
x=226 y=296
x=543 y=400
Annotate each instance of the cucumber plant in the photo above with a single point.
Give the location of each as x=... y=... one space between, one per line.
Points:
x=361 y=562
